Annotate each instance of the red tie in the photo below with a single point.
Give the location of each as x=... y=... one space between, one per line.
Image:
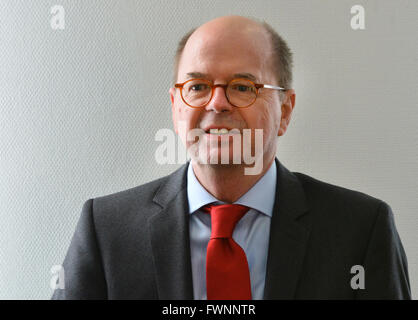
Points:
x=227 y=273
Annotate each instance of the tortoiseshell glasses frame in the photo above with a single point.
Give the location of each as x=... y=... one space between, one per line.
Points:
x=232 y=89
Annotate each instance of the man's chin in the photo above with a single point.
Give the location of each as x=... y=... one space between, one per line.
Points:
x=222 y=155
x=215 y=159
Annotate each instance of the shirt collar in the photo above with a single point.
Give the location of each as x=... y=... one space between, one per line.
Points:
x=261 y=196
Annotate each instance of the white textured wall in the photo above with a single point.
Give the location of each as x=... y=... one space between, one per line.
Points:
x=79 y=108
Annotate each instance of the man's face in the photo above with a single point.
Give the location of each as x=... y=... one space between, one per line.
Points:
x=220 y=51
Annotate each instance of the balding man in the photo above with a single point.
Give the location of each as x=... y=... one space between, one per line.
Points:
x=234 y=223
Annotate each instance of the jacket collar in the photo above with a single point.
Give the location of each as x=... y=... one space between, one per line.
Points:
x=169 y=231
x=288 y=237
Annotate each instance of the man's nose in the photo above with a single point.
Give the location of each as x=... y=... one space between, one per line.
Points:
x=219 y=102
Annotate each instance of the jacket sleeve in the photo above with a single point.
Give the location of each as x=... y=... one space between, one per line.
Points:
x=385 y=264
x=83 y=269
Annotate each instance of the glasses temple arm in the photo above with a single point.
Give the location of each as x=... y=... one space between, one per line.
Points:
x=268 y=86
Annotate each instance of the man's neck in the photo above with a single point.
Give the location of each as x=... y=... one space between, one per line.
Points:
x=227 y=183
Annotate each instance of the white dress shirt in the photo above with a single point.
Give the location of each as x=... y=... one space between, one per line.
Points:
x=251 y=232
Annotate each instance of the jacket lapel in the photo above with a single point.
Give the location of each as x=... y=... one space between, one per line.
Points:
x=169 y=231
x=288 y=237
x=170 y=242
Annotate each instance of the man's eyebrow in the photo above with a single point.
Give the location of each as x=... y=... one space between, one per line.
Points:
x=194 y=75
x=246 y=75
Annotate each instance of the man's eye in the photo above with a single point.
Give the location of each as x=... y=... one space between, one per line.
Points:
x=242 y=88
x=199 y=87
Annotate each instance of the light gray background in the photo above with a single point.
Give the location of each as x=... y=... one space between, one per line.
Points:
x=79 y=109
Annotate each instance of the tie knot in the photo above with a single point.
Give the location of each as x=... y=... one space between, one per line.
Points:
x=224 y=217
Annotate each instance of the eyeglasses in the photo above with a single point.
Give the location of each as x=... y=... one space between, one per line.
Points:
x=241 y=93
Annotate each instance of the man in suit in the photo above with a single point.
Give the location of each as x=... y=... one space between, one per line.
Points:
x=293 y=237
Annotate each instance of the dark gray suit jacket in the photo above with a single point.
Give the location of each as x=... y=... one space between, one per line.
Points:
x=135 y=244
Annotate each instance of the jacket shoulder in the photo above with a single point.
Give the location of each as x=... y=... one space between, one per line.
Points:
x=121 y=209
x=137 y=203
x=338 y=198
x=143 y=192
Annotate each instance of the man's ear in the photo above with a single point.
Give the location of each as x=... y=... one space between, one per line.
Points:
x=288 y=105
x=173 y=108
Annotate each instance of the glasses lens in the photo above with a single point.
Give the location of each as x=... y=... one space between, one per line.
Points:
x=241 y=92
x=197 y=92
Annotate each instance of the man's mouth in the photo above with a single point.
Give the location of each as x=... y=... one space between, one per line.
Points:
x=220 y=131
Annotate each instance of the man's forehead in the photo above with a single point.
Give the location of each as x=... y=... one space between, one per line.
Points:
x=233 y=50
x=209 y=39
x=229 y=24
